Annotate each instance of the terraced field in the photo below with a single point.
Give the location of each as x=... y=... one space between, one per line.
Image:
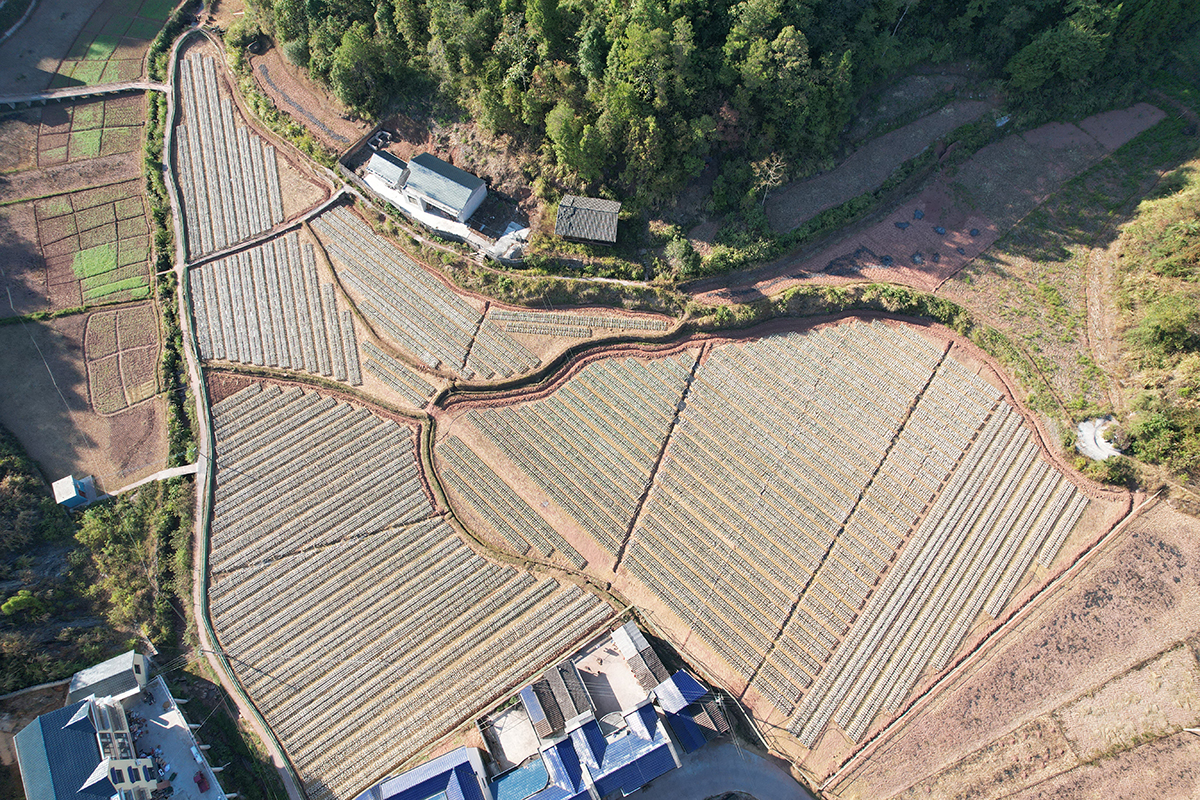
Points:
x=267 y=306
x=362 y=625
x=228 y=176
x=831 y=512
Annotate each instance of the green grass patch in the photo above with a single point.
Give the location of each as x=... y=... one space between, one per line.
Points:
x=111 y=73
x=129 y=207
x=143 y=29
x=138 y=287
x=102 y=47
x=157 y=10
x=85 y=144
x=133 y=251
x=94 y=261
x=117 y=275
x=86 y=72
x=87 y=115
x=54 y=206
x=117 y=25
x=118 y=140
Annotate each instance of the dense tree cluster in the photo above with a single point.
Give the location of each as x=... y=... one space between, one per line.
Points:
x=637 y=95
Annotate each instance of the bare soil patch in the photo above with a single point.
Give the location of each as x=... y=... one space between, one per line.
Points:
x=45 y=401
x=902 y=98
x=18 y=140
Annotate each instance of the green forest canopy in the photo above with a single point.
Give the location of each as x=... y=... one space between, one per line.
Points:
x=635 y=96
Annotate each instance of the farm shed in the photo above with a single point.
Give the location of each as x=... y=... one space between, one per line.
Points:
x=433 y=183
x=587 y=219
x=392 y=170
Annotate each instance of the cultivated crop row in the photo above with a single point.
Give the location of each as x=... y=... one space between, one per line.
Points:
x=614 y=322
x=229 y=178
x=769 y=462
x=391 y=624
x=417 y=311
x=591 y=445
x=265 y=306
x=494 y=500
x=1002 y=507
x=397 y=375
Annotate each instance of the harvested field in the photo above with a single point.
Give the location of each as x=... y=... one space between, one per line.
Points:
x=1084 y=696
x=112 y=45
x=868 y=167
x=933 y=235
x=833 y=548
x=234 y=182
x=411 y=306
x=121 y=349
x=364 y=628
x=46 y=401
x=267 y=306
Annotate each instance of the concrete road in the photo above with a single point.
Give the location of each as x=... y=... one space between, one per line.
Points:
x=721 y=767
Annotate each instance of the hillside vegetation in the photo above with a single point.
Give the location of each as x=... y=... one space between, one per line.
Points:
x=633 y=98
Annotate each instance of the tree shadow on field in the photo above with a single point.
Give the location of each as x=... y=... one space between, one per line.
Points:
x=22 y=268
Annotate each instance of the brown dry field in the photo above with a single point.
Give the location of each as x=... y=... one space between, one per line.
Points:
x=868 y=167
x=303 y=184
x=1088 y=689
x=45 y=403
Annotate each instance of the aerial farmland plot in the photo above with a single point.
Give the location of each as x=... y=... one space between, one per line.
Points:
x=443 y=330
x=821 y=517
x=235 y=182
x=82 y=393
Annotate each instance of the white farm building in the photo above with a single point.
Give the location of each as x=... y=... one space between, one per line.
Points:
x=430 y=184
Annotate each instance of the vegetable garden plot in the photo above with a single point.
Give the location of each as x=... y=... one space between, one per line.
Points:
x=96 y=244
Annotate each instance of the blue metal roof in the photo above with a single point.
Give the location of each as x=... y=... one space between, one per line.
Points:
x=440 y=181
x=635 y=774
x=690 y=737
x=678 y=692
x=562 y=762
x=643 y=721
x=589 y=743
x=57 y=757
x=451 y=776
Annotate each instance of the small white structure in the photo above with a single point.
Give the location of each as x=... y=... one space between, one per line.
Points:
x=71 y=493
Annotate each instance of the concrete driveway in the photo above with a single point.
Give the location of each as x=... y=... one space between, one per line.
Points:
x=721 y=767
